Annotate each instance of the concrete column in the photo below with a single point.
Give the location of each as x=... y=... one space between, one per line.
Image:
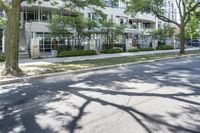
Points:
x=128 y=44
x=39 y=12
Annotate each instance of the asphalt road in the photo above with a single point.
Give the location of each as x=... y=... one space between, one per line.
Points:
x=161 y=97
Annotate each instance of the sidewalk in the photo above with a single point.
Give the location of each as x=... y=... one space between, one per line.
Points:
x=100 y=56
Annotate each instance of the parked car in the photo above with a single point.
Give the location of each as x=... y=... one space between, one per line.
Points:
x=194 y=43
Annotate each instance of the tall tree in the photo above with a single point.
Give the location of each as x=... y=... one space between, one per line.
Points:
x=12 y=10
x=185 y=11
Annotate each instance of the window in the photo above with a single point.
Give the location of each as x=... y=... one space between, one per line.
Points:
x=159 y=24
x=44 y=41
x=121 y=20
x=146 y=25
x=31 y=15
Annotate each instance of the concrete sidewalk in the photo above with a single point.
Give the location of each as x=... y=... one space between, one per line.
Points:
x=100 y=56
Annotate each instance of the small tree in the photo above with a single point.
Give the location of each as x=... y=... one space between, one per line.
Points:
x=67 y=26
x=186 y=8
x=163 y=33
x=111 y=32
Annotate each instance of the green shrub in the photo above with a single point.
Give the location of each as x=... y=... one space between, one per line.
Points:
x=2 y=57
x=109 y=51
x=62 y=48
x=133 y=50
x=161 y=43
x=107 y=46
x=77 y=53
x=164 y=47
x=146 y=49
x=123 y=46
x=79 y=47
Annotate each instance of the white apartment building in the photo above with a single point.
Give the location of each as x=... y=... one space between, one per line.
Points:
x=34 y=23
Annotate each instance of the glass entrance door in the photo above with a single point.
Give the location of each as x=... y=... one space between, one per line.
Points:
x=45 y=42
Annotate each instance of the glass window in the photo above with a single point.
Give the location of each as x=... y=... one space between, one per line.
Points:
x=31 y=15
x=45 y=41
x=146 y=25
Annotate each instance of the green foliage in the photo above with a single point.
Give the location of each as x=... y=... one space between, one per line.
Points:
x=111 y=32
x=59 y=26
x=164 y=47
x=69 y=26
x=163 y=33
x=62 y=48
x=77 y=53
x=133 y=50
x=2 y=22
x=192 y=28
x=2 y=57
x=109 y=51
x=146 y=49
x=123 y=46
x=79 y=47
x=141 y=49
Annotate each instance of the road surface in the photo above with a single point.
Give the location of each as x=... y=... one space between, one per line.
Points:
x=160 y=97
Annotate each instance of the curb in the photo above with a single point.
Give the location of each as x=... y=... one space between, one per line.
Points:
x=29 y=78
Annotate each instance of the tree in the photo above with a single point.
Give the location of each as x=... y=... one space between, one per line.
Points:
x=192 y=28
x=186 y=8
x=163 y=33
x=111 y=32
x=73 y=25
x=12 y=10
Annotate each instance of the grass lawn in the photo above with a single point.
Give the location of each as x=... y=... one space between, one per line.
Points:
x=78 y=65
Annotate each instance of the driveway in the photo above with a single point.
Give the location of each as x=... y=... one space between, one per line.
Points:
x=160 y=97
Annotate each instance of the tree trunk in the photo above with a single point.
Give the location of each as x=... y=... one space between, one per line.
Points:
x=182 y=40
x=12 y=40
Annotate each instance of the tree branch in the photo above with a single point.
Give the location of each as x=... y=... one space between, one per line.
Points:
x=162 y=17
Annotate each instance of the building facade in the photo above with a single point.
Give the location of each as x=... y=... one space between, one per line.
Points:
x=35 y=17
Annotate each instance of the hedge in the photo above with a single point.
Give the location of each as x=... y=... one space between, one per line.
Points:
x=2 y=57
x=146 y=49
x=110 y=51
x=133 y=50
x=77 y=53
x=164 y=47
x=123 y=46
x=62 y=48
x=141 y=49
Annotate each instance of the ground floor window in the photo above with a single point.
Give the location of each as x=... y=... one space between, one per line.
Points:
x=44 y=41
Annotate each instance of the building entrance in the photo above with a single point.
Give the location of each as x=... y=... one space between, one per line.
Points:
x=44 y=42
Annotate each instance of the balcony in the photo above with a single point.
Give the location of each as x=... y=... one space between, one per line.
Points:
x=36 y=27
x=145 y=17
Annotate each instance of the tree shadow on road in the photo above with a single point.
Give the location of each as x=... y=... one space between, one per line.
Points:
x=33 y=106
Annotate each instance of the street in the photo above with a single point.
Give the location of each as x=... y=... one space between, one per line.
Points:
x=159 y=97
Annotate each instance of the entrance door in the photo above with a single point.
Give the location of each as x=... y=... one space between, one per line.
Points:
x=45 y=43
